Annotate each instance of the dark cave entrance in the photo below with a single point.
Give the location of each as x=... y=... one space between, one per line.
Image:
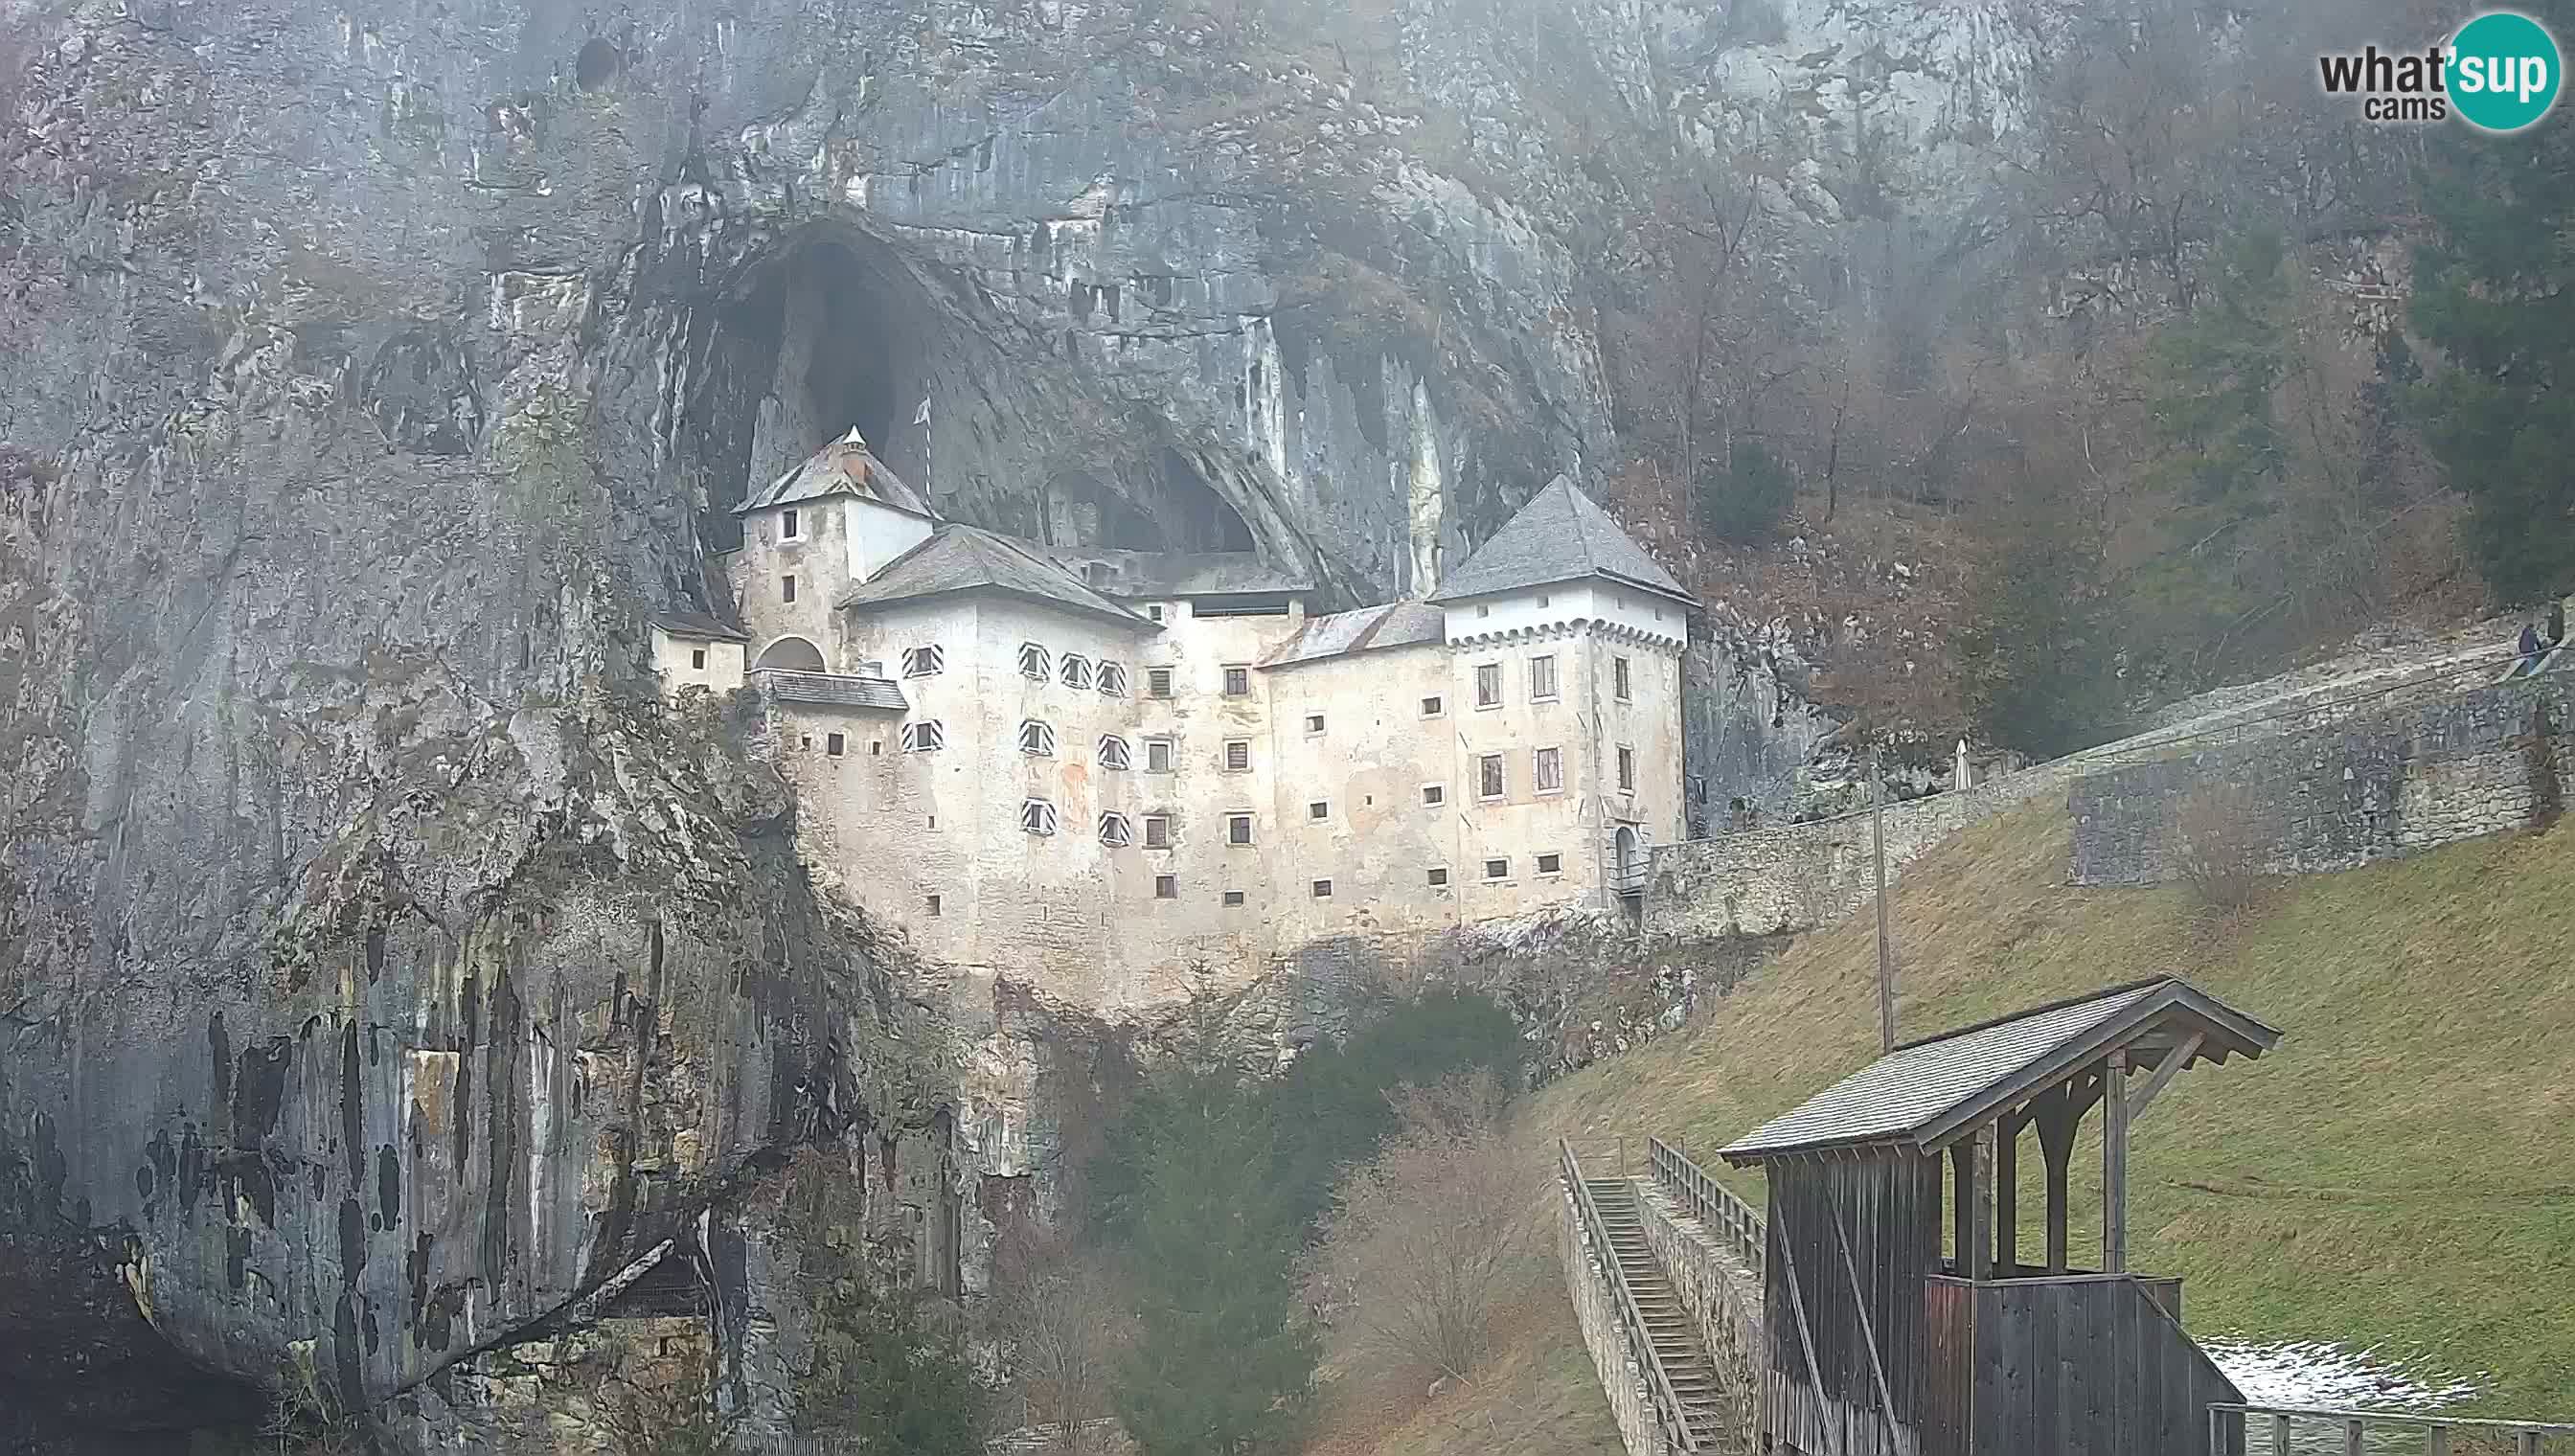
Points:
x=839 y=330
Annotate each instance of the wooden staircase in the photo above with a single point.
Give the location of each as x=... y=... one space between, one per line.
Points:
x=1676 y=1341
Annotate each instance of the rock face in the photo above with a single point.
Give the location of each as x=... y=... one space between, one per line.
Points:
x=383 y=970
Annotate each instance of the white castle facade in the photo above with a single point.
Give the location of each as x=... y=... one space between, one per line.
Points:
x=1096 y=772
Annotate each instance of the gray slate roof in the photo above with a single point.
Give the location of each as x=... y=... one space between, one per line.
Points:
x=845 y=466
x=680 y=622
x=1923 y=1094
x=1562 y=535
x=833 y=689
x=1400 y=625
x=963 y=559
x=1204 y=573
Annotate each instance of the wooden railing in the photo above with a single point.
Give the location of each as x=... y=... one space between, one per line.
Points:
x=1711 y=1204
x=2351 y=1431
x=1641 y=1345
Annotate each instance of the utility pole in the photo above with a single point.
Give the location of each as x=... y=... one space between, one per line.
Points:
x=1885 y=958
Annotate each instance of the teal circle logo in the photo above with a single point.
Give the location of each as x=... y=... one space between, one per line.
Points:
x=2503 y=72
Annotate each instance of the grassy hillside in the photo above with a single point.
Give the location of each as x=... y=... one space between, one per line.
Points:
x=2399 y=1173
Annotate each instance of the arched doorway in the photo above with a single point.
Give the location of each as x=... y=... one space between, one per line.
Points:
x=794 y=654
x=1629 y=872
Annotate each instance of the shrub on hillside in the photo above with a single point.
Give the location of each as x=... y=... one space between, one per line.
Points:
x=2221 y=847
x=1745 y=500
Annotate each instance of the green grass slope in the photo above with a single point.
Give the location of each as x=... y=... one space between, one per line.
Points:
x=2398 y=1173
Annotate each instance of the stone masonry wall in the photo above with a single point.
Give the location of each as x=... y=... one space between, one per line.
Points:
x=1596 y=1310
x=1724 y=1298
x=2371 y=788
x=1798 y=876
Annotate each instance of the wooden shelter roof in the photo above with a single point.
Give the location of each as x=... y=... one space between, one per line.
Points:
x=1927 y=1095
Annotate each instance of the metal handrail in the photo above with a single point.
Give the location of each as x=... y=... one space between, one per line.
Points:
x=2224 y=1419
x=1667 y=1402
x=1712 y=1203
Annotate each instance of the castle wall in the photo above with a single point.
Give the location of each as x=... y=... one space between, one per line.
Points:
x=2373 y=788
x=818 y=557
x=1378 y=840
x=674 y=657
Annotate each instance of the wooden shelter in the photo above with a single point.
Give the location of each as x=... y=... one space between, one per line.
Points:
x=1880 y=1346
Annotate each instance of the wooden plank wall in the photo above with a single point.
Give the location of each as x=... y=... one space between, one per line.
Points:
x=1858 y=1238
x=2086 y=1367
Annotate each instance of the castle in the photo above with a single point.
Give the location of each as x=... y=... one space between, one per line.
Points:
x=1097 y=770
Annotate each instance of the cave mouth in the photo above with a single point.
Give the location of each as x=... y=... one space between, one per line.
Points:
x=852 y=337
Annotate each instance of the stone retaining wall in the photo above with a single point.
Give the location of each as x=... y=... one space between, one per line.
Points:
x=1596 y=1310
x=1722 y=1297
x=2369 y=789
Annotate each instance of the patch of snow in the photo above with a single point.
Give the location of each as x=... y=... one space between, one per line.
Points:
x=2320 y=1375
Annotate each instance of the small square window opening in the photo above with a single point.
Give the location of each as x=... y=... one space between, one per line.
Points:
x=934 y=907
x=1237 y=829
x=1157 y=831
x=1319 y=810
x=1439 y=877
x=1238 y=681
x=1237 y=754
x=790 y=527
x=1550 y=865
x=1234 y=896
x=697 y=658
x=833 y=745
x=1497 y=869
x=1434 y=794
x=787 y=589
x=1166 y=886
x=1627 y=771
x=1314 y=722
x=1432 y=706
x=1323 y=890
x=1158 y=681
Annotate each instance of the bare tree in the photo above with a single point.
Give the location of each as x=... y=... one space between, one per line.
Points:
x=2219 y=847
x=1425 y=1240
x=1065 y=1323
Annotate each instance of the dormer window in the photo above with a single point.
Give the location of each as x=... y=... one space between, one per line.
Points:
x=789 y=527
x=1034 y=663
x=1076 y=672
x=925 y=662
x=1037 y=738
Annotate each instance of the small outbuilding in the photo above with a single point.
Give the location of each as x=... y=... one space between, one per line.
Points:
x=1881 y=1344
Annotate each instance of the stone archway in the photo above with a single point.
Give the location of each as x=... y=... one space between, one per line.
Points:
x=794 y=654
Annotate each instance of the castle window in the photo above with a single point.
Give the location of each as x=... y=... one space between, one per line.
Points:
x=1619 y=678
x=1034 y=664
x=1237 y=829
x=1113 y=679
x=1157 y=831
x=1320 y=809
x=933 y=907
x=1433 y=707
x=805 y=742
x=1489 y=776
x=1543 y=676
x=1076 y=671
x=1238 y=755
x=835 y=744
x=1234 y=896
x=925 y=662
x=1238 y=681
x=1627 y=769
x=1037 y=737
x=787 y=589
x=1438 y=878
x=1155 y=612
x=697 y=658
x=1434 y=794
x=1548 y=767
x=1157 y=756
x=925 y=737
x=1488 y=684
x=1158 y=681
x=1550 y=865
x=1114 y=831
x=1497 y=869
x=1112 y=751
x=1314 y=722
x=1543 y=599
x=789 y=527
x=1323 y=890
x=1036 y=817
x=1484 y=608
x=1166 y=886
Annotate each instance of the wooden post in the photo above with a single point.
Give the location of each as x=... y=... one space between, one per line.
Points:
x=2056 y=1119
x=2114 y=1165
x=2007 y=1195
x=1962 y=1205
x=1986 y=1163
x=1885 y=955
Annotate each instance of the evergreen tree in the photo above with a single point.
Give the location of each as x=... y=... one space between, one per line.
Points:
x=2035 y=655
x=1747 y=500
x=886 y=1372
x=2491 y=293
x=1224 y=1364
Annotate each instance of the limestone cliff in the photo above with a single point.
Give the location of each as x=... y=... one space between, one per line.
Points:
x=383 y=972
